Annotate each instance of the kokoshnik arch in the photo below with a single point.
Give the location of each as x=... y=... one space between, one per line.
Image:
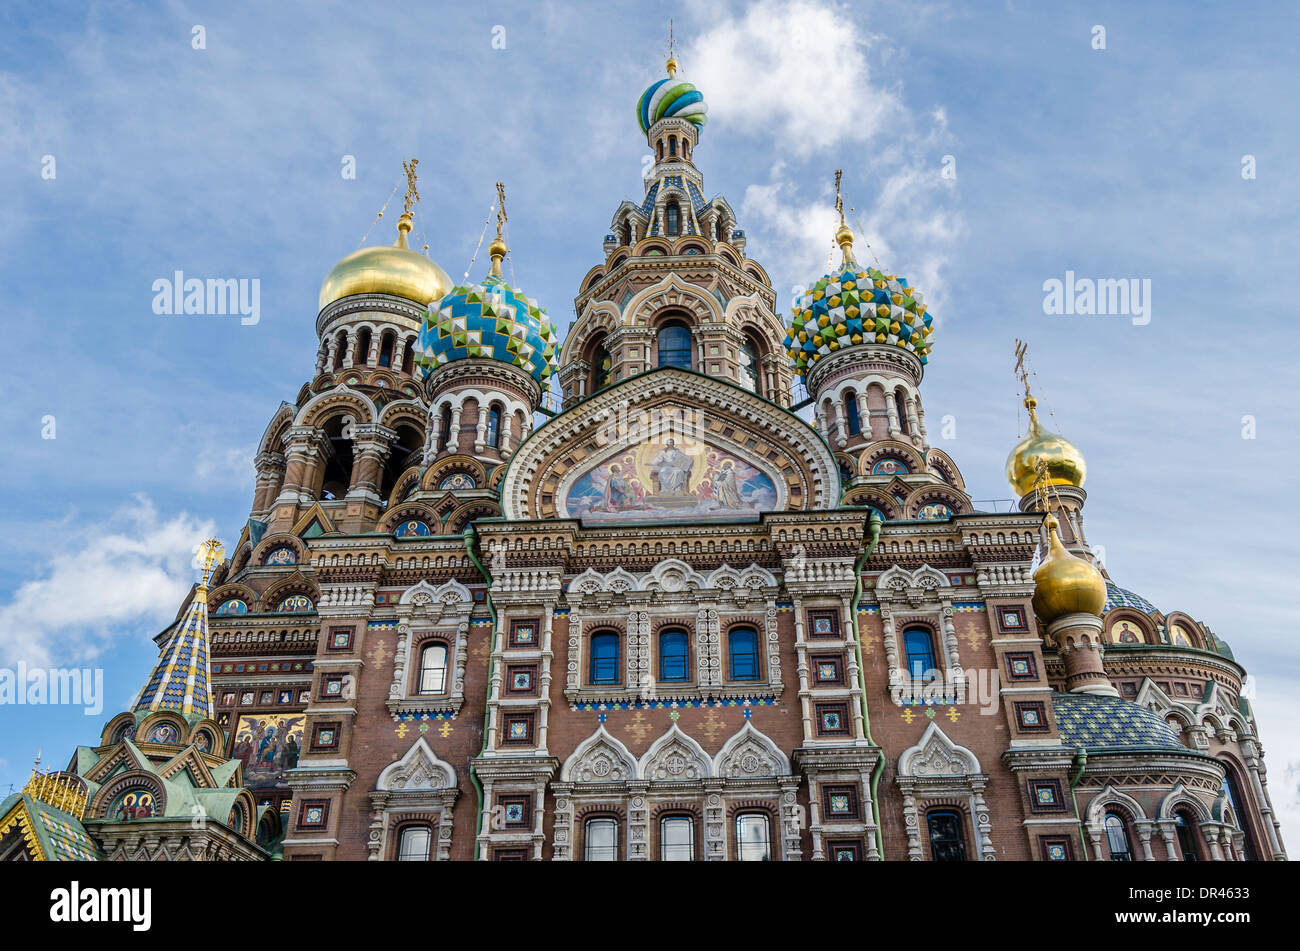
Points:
x=673 y=622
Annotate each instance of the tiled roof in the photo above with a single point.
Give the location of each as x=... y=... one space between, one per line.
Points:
x=1120 y=597
x=62 y=838
x=1109 y=723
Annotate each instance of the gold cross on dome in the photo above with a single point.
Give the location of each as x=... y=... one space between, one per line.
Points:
x=412 y=193
x=501 y=207
x=839 y=199
x=211 y=554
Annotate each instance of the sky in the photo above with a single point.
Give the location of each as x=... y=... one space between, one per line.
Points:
x=987 y=149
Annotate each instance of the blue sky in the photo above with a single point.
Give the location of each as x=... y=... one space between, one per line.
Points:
x=1123 y=162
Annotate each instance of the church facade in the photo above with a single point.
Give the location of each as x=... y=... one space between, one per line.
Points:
x=680 y=616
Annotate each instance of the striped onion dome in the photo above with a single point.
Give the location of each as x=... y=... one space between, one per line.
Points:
x=671 y=96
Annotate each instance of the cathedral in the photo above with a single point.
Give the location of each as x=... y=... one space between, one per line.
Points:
x=691 y=584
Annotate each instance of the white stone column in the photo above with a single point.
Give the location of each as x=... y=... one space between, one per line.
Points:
x=841 y=424
x=891 y=408
x=453 y=434
x=351 y=348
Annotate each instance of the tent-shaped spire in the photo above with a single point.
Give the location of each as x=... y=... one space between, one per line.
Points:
x=181 y=680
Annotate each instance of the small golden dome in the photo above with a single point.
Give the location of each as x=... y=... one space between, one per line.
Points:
x=387 y=269
x=1064 y=583
x=1065 y=463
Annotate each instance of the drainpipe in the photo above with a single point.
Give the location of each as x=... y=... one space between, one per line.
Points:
x=1081 y=759
x=471 y=539
x=873 y=529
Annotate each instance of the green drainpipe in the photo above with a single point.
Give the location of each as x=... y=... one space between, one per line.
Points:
x=873 y=528
x=471 y=539
x=1080 y=759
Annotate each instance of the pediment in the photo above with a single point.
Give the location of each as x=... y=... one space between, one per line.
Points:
x=670 y=445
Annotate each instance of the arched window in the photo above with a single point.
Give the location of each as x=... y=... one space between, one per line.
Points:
x=1186 y=837
x=493 y=434
x=659 y=150
x=947 y=841
x=363 y=347
x=625 y=233
x=600 y=840
x=900 y=405
x=602 y=367
x=677 y=839
x=918 y=646
x=672 y=656
x=604 y=658
x=742 y=648
x=721 y=230
x=408 y=357
x=433 y=668
x=1117 y=838
x=386 y=350
x=340 y=349
x=445 y=431
x=672 y=145
x=413 y=844
x=673 y=218
x=753 y=839
x=852 y=418
x=674 y=342
x=749 y=366
x=1229 y=786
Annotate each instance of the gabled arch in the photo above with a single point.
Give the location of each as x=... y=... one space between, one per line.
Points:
x=337 y=400
x=935 y=755
x=280 y=421
x=672 y=292
x=418 y=769
x=675 y=757
x=1111 y=798
x=750 y=754
x=1178 y=798
x=600 y=758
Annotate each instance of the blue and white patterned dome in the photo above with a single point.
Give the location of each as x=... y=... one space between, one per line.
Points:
x=489 y=320
x=671 y=96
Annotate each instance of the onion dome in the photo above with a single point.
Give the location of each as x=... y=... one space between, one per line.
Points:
x=671 y=97
x=1065 y=583
x=854 y=305
x=387 y=269
x=492 y=321
x=1065 y=463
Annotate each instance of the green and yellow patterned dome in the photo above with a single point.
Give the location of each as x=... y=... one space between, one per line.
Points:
x=857 y=305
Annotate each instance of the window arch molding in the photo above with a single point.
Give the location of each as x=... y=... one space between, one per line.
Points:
x=417 y=789
x=935 y=773
x=429 y=615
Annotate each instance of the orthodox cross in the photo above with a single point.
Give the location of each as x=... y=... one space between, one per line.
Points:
x=412 y=194
x=501 y=207
x=839 y=200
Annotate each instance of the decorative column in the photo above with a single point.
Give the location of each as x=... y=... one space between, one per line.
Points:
x=842 y=426
x=351 y=348
x=913 y=422
x=983 y=827
x=1144 y=829
x=891 y=408
x=453 y=433
x=332 y=350
x=372 y=356
x=1167 y=830
x=371 y=446
x=399 y=353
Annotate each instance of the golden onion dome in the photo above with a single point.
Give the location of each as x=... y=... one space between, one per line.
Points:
x=1065 y=583
x=387 y=269
x=1065 y=463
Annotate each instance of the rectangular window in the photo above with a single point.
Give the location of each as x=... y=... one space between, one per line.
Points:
x=753 y=837
x=673 y=656
x=677 y=839
x=742 y=646
x=600 y=839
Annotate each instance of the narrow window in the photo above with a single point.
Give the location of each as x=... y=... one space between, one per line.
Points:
x=672 y=656
x=851 y=417
x=604 y=659
x=386 y=351
x=753 y=843
x=748 y=360
x=600 y=840
x=413 y=846
x=672 y=145
x=742 y=644
x=674 y=342
x=1117 y=838
x=919 y=648
x=433 y=668
x=1187 y=838
x=493 y=434
x=947 y=843
x=1229 y=787
x=674 y=218
x=677 y=839
x=901 y=406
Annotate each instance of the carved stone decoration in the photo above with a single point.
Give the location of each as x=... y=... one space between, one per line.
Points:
x=427 y=609
x=749 y=754
x=600 y=758
x=675 y=757
x=937 y=768
x=708 y=647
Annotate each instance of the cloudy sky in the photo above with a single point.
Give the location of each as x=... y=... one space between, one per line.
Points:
x=985 y=152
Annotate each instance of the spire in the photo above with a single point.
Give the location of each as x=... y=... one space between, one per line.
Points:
x=844 y=235
x=181 y=678
x=671 y=65
x=1066 y=464
x=497 y=249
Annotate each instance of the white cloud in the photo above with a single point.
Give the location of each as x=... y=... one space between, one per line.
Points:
x=796 y=70
x=125 y=576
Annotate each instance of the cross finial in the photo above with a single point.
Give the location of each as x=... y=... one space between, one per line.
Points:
x=211 y=554
x=412 y=193
x=839 y=199
x=672 y=51
x=501 y=207
x=1022 y=371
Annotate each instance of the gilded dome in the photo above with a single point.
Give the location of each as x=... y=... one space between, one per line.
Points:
x=1065 y=463
x=387 y=269
x=1066 y=584
x=853 y=305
